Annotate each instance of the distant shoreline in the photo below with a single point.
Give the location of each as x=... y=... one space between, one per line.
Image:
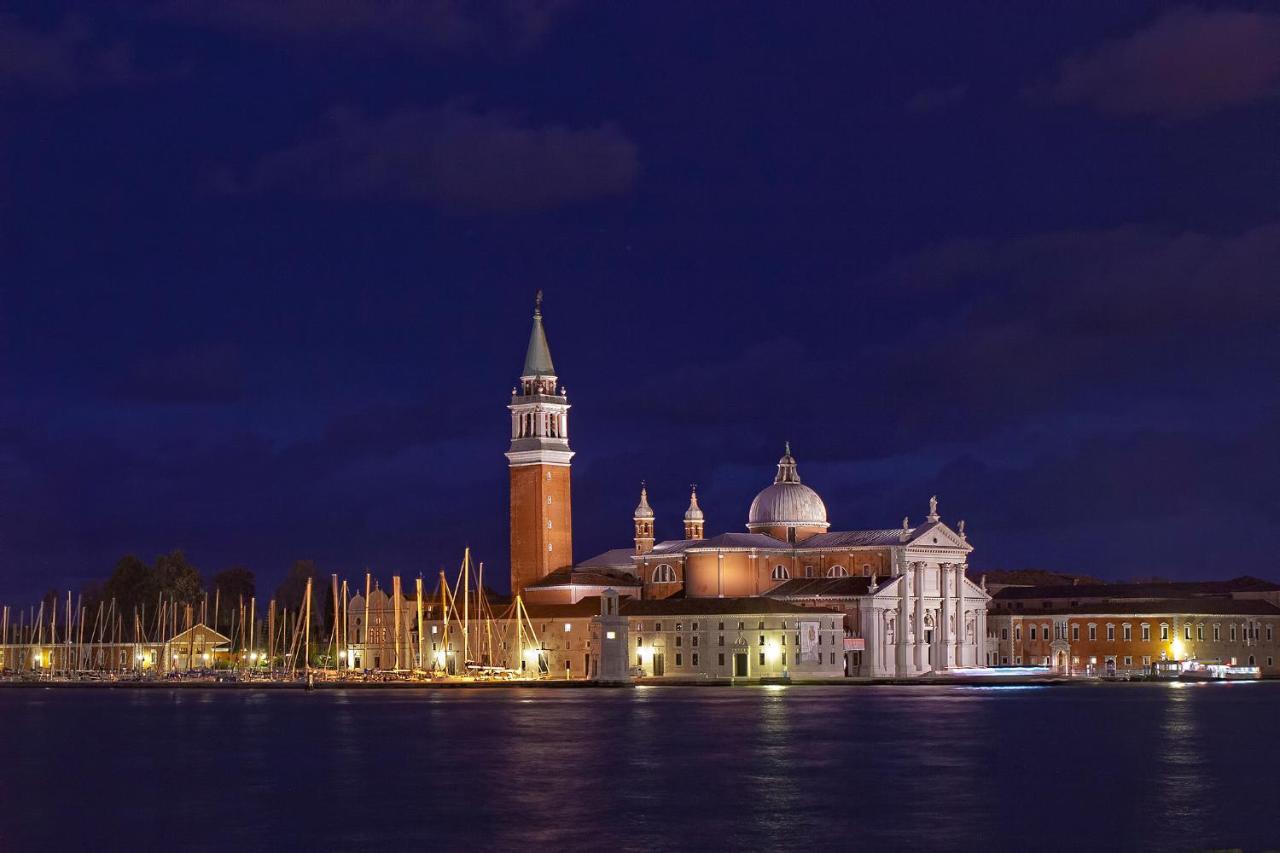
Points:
x=570 y=684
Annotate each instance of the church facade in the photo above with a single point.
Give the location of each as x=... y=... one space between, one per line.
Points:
x=905 y=604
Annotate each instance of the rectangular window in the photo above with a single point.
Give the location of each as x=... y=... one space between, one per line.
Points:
x=679 y=640
x=1004 y=633
x=721 y=626
x=721 y=658
x=761 y=628
x=721 y=640
x=1200 y=632
x=695 y=626
x=695 y=639
x=678 y=659
x=1093 y=632
x=762 y=658
x=639 y=642
x=1164 y=632
x=762 y=639
x=1017 y=633
x=1233 y=633
x=1268 y=633
x=833 y=659
x=1217 y=633
x=1146 y=660
x=1033 y=633
x=657 y=626
x=1128 y=633
x=695 y=658
x=742 y=626
x=1146 y=632
x=1075 y=632
x=1111 y=632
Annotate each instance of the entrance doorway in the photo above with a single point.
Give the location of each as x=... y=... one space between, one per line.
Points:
x=659 y=664
x=740 y=665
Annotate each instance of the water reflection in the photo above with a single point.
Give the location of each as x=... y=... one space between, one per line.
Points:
x=1140 y=766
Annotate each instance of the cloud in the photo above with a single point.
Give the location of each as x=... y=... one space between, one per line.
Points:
x=61 y=61
x=928 y=101
x=457 y=160
x=211 y=374
x=436 y=25
x=1186 y=64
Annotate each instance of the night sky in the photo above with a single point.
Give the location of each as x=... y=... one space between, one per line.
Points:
x=267 y=272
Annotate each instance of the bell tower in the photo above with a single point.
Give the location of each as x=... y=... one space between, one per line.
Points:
x=538 y=461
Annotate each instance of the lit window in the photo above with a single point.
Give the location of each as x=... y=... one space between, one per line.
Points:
x=610 y=635
x=1164 y=632
x=568 y=626
x=1186 y=631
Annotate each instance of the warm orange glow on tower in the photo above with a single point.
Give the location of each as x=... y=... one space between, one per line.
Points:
x=541 y=510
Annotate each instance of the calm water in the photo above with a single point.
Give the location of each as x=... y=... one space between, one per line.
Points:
x=1113 y=767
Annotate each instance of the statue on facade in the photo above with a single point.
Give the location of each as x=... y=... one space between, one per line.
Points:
x=970 y=626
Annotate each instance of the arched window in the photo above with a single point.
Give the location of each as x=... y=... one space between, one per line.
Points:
x=837 y=572
x=664 y=574
x=780 y=573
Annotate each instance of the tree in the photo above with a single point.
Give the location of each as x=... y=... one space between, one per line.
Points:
x=177 y=579
x=132 y=584
x=234 y=584
x=291 y=593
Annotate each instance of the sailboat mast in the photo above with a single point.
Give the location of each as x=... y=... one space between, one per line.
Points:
x=421 y=662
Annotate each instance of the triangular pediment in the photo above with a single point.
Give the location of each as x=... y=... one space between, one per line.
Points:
x=937 y=535
x=202 y=634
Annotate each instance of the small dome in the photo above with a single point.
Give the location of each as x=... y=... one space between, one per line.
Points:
x=643 y=510
x=788 y=502
x=694 y=512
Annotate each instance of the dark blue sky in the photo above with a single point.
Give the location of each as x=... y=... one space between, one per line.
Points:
x=266 y=273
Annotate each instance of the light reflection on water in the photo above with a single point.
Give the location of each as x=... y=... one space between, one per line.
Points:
x=1105 y=767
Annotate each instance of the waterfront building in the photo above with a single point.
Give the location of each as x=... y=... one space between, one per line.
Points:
x=907 y=607
x=1127 y=628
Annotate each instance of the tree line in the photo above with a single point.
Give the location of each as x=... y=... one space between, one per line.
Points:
x=139 y=587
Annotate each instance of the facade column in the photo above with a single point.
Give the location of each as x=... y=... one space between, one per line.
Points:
x=943 y=657
x=901 y=634
x=961 y=637
x=922 y=654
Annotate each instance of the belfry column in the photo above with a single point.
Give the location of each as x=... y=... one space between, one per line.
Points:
x=538 y=463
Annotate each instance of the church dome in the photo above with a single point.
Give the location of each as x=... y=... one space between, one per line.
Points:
x=788 y=502
x=788 y=505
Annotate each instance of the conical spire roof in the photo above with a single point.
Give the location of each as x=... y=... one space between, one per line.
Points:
x=694 y=512
x=537 y=360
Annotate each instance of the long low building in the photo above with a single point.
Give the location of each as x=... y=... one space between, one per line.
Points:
x=1127 y=628
x=671 y=639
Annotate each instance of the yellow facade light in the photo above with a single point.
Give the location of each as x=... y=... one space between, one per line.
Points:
x=772 y=652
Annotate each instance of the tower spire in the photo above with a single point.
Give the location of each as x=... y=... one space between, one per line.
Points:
x=643 y=518
x=694 y=519
x=537 y=358
x=539 y=459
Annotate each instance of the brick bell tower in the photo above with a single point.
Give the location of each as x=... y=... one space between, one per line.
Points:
x=541 y=512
